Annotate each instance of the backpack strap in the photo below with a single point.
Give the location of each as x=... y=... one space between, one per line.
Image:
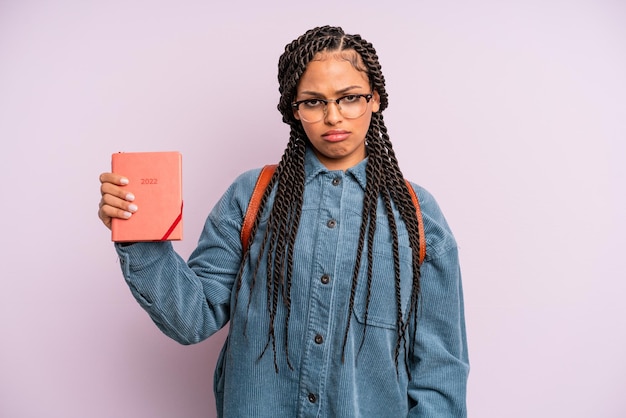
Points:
x=261 y=184
x=255 y=201
x=420 y=223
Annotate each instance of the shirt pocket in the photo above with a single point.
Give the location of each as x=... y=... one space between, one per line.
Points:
x=383 y=306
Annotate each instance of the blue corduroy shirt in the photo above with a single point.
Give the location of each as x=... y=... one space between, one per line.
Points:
x=191 y=300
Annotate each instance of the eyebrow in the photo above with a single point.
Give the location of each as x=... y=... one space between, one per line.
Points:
x=342 y=91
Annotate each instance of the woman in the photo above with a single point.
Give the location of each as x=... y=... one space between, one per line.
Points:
x=331 y=312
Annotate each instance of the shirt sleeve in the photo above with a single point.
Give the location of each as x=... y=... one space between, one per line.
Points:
x=440 y=362
x=190 y=301
x=440 y=365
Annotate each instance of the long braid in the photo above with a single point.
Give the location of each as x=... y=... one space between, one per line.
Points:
x=399 y=192
x=388 y=196
x=282 y=227
x=384 y=181
x=371 y=214
x=279 y=237
x=408 y=214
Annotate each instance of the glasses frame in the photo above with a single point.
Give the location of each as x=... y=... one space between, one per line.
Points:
x=296 y=105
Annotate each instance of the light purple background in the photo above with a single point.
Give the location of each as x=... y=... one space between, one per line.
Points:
x=512 y=113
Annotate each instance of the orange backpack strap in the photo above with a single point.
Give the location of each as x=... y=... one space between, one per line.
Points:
x=255 y=201
x=257 y=194
x=420 y=223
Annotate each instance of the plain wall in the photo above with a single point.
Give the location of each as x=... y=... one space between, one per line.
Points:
x=512 y=113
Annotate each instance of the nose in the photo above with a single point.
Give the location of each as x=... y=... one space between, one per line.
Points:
x=332 y=114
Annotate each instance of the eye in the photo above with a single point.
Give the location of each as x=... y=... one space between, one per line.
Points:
x=351 y=98
x=312 y=103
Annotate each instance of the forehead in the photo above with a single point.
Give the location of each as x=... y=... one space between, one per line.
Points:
x=334 y=71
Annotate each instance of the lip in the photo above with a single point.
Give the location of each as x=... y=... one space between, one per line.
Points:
x=336 y=135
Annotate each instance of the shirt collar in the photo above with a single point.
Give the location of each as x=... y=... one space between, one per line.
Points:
x=313 y=167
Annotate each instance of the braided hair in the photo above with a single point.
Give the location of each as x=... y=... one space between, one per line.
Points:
x=384 y=181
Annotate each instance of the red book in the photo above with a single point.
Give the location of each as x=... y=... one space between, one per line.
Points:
x=155 y=178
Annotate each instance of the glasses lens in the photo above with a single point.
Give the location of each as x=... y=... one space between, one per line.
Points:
x=312 y=111
x=352 y=107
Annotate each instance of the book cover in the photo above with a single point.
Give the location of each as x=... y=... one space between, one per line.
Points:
x=155 y=178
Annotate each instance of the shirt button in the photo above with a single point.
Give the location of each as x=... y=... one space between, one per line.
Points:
x=325 y=279
x=319 y=339
x=331 y=223
x=312 y=398
x=336 y=181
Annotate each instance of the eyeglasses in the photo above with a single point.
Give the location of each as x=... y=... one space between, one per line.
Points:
x=351 y=106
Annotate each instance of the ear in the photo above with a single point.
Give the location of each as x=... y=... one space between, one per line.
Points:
x=295 y=114
x=375 y=102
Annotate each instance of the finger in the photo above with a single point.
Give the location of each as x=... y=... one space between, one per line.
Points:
x=114 y=178
x=107 y=213
x=118 y=204
x=107 y=188
x=106 y=219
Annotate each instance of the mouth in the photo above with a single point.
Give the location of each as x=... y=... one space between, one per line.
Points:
x=336 y=135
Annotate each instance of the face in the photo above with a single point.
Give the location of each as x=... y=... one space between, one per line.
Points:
x=339 y=143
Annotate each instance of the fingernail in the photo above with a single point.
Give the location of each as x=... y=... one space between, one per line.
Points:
x=127 y=215
x=132 y=208
x=130 y=197
x=123 y=180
